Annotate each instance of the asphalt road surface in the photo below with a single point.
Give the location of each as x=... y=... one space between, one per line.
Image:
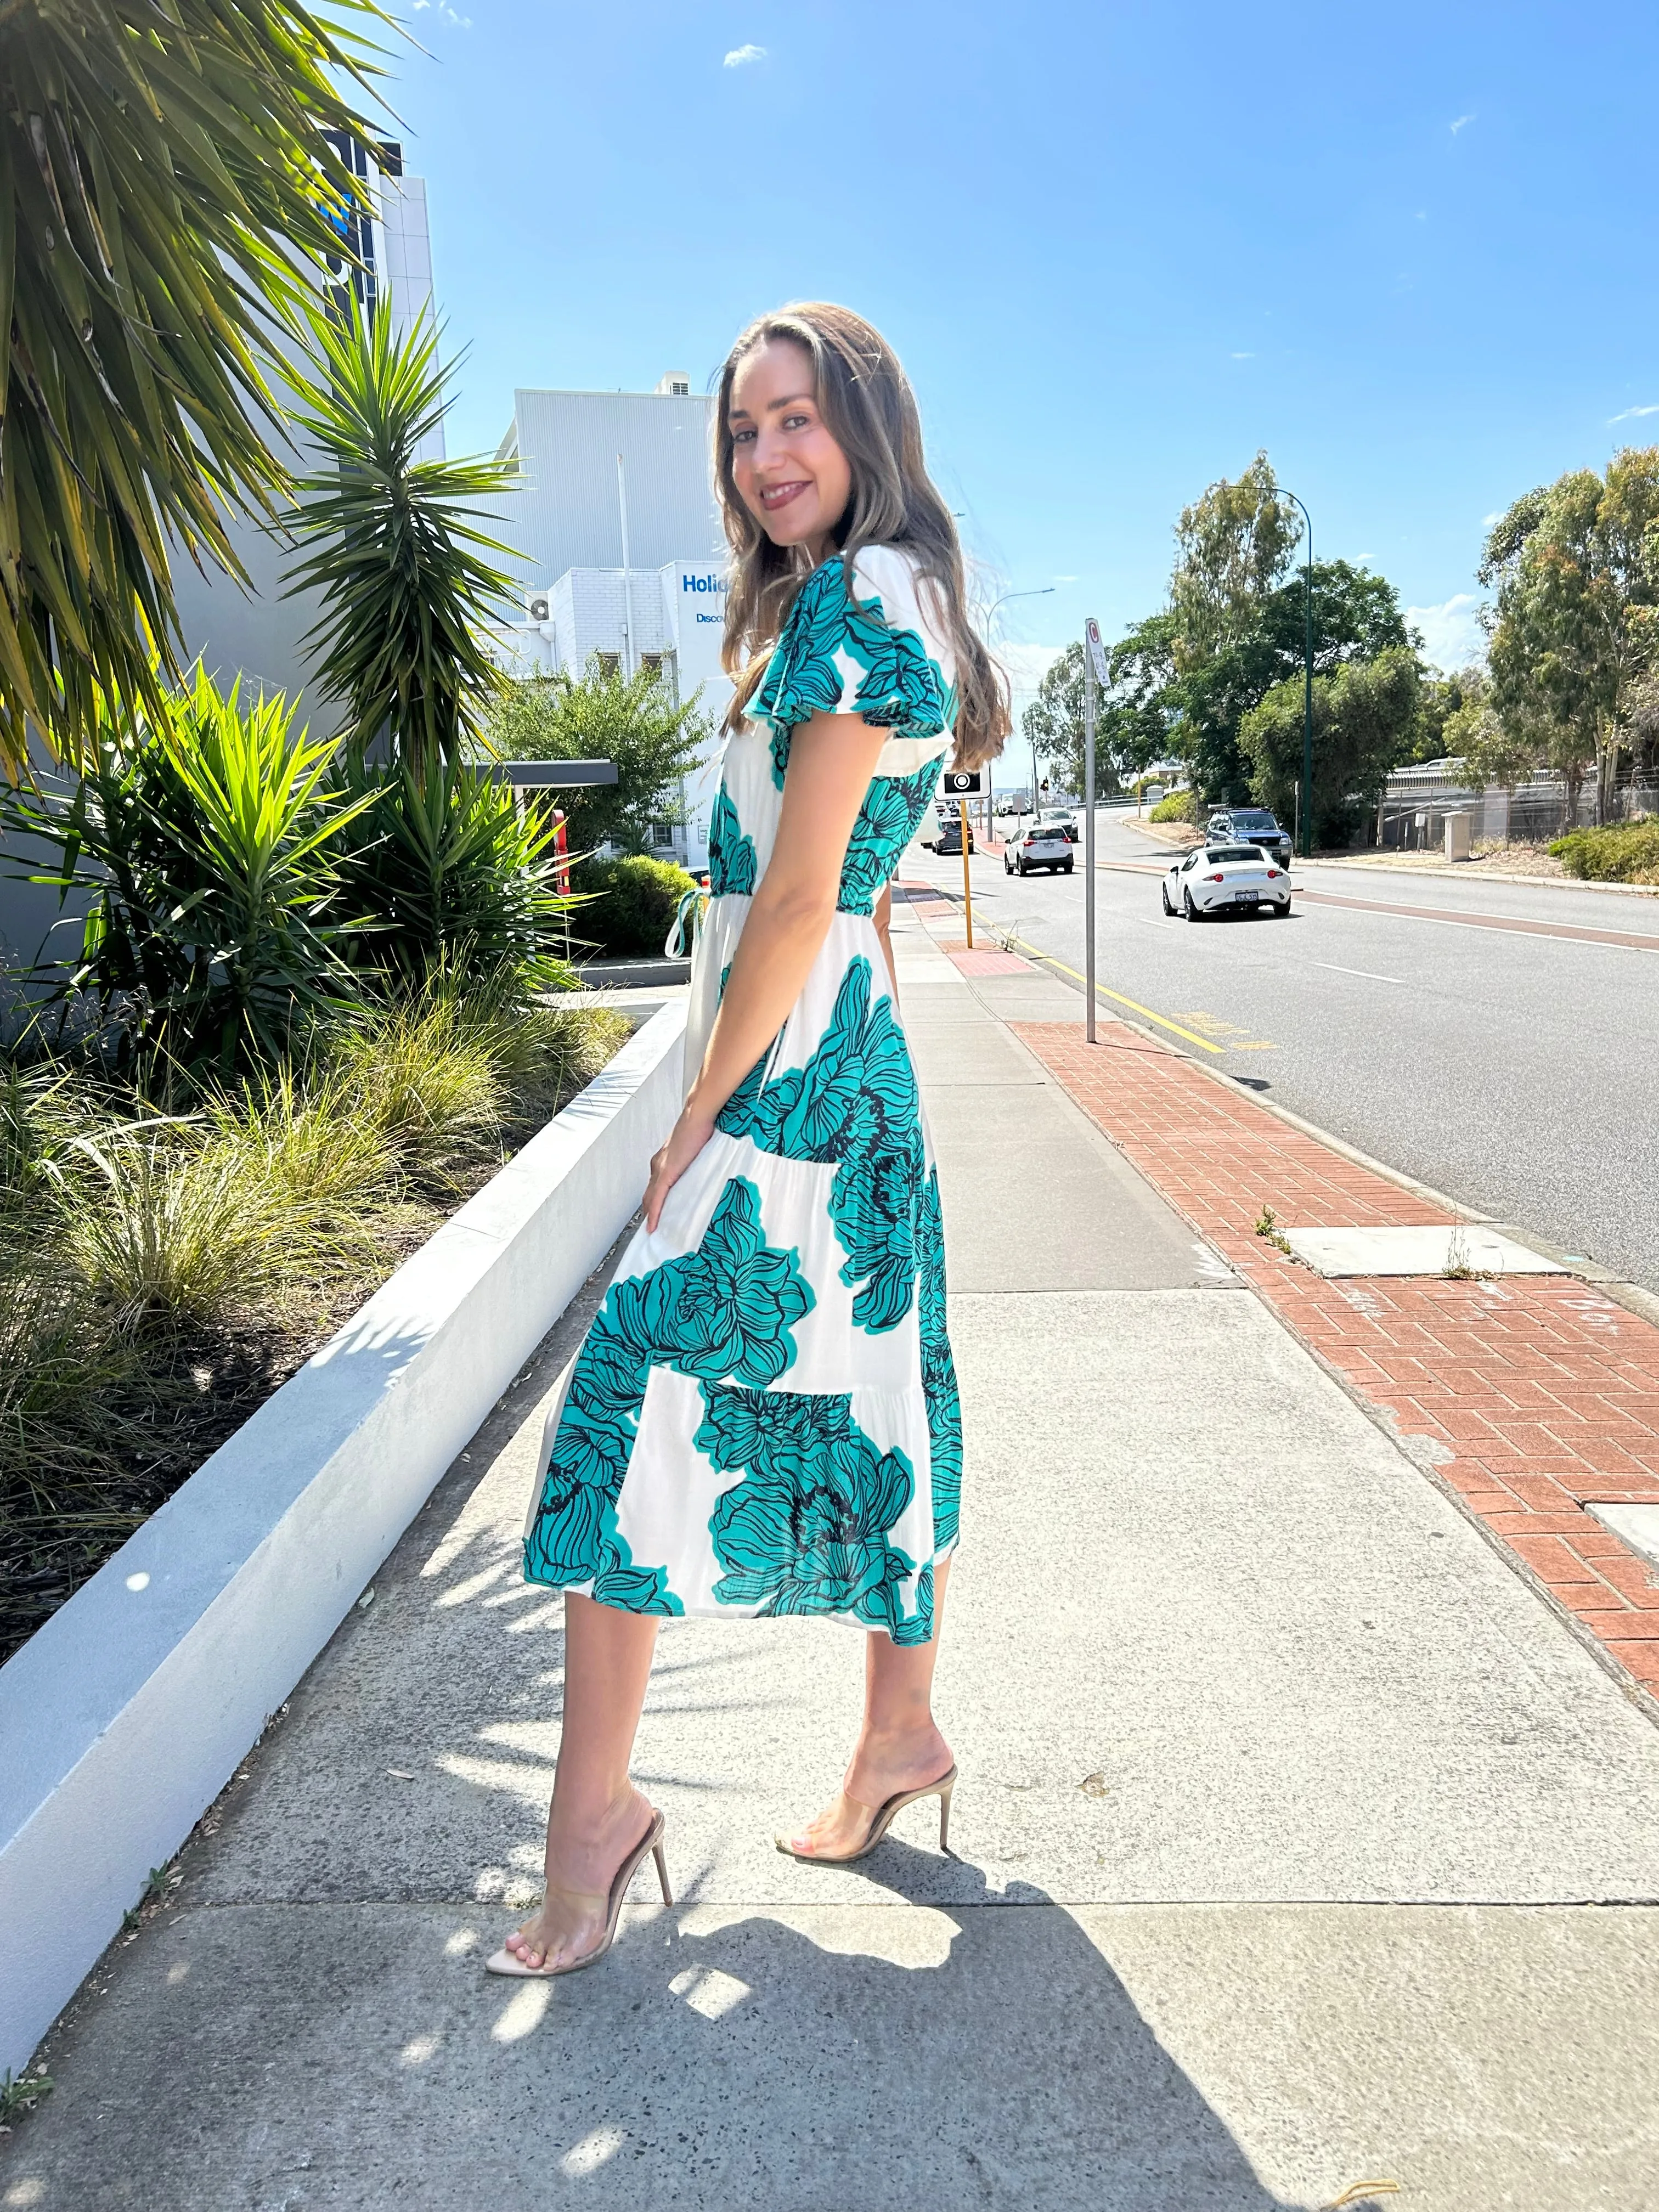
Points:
x=1457 y=1029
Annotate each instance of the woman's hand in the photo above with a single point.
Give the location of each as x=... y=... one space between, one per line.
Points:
x=686 y=1139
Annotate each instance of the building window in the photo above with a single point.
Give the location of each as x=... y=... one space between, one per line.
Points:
x=610 y=663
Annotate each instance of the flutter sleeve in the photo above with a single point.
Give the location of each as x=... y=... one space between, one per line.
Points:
x=869 y=651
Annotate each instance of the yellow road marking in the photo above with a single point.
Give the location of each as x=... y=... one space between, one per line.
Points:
x=1133 y=1005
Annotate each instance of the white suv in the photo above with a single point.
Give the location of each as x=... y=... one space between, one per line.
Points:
x=1044 y=845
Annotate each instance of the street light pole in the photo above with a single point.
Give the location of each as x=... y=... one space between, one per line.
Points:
x=1306 y=824
x=1041 y=592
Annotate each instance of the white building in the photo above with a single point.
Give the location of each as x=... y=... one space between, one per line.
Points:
x=620 y=552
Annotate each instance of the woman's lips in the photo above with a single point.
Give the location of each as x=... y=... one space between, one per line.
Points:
x=773 y=496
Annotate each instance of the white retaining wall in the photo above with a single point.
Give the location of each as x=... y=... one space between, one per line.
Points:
x=126 y=1714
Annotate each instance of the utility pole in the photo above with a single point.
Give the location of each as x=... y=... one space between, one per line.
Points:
x=1094 y=672
x=1041 y=592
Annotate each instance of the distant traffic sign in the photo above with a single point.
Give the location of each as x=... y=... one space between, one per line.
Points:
x=1096 y=653
x=960 y=783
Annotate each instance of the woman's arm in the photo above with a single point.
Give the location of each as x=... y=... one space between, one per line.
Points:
x=831 y=760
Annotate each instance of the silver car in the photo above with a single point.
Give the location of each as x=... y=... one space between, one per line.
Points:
x=1216 y=879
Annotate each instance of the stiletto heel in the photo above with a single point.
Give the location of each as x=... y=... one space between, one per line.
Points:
x=880 y=1820
x=508 y=1962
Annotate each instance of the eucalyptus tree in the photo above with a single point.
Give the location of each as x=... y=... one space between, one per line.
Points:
x=1576 y=631
x=1364 y=717
x=166 y=197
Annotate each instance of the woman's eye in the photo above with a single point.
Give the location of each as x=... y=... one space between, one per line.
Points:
x=796 y=421
x=743 y=437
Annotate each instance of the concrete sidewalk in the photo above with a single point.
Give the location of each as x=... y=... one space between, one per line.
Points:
x=1288 y=1822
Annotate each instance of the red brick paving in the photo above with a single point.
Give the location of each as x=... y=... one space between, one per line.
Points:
x=986 y=959
x=1535 y=1394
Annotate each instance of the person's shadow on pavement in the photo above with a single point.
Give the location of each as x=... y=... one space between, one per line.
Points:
x=993 y=2056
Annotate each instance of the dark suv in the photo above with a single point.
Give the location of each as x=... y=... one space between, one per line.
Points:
x=947 y=835
x=1250 y=825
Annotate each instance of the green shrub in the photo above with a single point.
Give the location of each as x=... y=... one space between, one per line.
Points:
x=1623 y=853
x=212 y=928
x=445 y=868
x=638 y=898
x=1180 y=806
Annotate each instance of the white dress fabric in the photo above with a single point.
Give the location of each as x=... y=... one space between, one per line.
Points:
x=764 y=1416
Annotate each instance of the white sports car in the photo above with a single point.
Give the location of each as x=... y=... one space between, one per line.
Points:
x=1225 y=879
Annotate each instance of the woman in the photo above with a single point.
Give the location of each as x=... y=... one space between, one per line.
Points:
x=764 y=1418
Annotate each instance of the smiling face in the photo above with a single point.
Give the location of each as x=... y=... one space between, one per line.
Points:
x=789 y=472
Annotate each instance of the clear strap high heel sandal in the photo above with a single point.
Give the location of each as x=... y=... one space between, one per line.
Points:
x=508 y=1962
x=880 y=1820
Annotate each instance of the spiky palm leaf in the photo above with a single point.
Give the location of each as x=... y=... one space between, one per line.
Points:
x=165 y=191
x=403 y=572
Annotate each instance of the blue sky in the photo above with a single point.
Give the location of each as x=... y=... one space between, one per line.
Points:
x=1409 y=250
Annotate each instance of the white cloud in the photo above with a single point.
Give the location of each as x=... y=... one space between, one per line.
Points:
x=1630 y=413
x=1491 y=522
x=739 y=55
x=1452 y=635
x=444 y=14
x=1460 y=123
x=1064 y=580
x=1243 y=356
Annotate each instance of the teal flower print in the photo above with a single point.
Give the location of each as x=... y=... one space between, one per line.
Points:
x=938 y=1374
x=733 y=867
x=873 y=1203
x=736 y=1310
x=900 y=688
x=855 y=1102
x=807 y=1529
x=889 y=818
x=727 y=1309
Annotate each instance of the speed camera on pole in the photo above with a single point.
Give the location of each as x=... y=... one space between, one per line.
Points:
x=962 y=785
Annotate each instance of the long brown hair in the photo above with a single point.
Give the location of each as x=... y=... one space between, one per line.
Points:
x=870 y=410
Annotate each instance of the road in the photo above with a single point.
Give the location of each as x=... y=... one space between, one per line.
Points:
x=1450 y=1029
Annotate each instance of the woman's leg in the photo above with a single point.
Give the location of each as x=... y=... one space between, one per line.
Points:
x=597 y=1816
x=899 y=1746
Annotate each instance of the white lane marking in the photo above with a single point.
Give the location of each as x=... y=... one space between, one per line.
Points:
x=1368 y=974
x=1545 y=935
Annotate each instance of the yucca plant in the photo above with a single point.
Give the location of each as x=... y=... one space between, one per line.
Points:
x=206 y=839
x=166 y=195
x=403 y=571
x=446 y=864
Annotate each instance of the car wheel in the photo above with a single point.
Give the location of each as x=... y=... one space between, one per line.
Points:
x=1020 y=867
x=1282 y=907
x=1188 y=908
x=1163 y=893
x=1065 y=868
x=1008 y=866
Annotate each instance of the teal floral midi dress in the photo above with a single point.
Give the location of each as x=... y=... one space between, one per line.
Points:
x=764 y=1418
